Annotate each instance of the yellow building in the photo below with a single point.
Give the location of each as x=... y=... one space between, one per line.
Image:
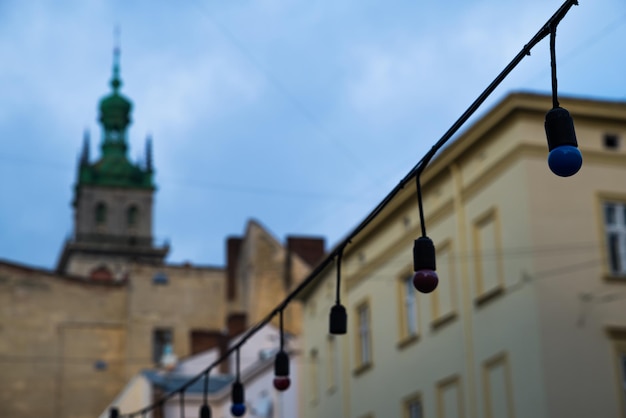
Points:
x=529 y=316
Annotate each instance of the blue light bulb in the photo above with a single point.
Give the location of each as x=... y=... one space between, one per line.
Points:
x=238 y=409
x=565 y=160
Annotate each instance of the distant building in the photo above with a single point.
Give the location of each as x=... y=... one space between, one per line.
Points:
x=529 y=316
x=257 y=374
x=70 y=339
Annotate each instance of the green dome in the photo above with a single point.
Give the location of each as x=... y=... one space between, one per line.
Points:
x=115 y=108
x=115 y=112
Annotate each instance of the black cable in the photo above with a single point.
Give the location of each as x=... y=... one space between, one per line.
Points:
x=420 y=205
x=282 y=334
x=205 y=393
x=338 y=289
x=555 y=99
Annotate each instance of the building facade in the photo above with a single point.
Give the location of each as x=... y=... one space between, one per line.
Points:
x=528 y=318
x=72 y=337
x=257 y=374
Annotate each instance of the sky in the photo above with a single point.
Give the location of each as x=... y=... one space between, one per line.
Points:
x=301 y=115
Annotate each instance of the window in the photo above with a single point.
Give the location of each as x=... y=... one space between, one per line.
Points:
x=489 y=270
x=450 y=398
x=611 y=141
x=364 y=336
x=413 y=407
x=313 y=376
x=443 y=299
x=101 y=214
x=408 y=309
x=160 y=278
x=132 y=215
x=615 y=227
x=332 y=364
x=160 y=338
x=498 y=387
x=618 y=339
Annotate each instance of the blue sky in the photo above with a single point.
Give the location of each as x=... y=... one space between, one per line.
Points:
x=302 y=115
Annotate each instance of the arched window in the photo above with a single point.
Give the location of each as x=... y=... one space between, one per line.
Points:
x=101 y=213
x=132 y=215
x=101 y=273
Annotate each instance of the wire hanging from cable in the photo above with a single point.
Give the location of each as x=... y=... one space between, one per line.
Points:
x=205 y=409
x=425 y=278
x=238 y=407
x=564 y=157
x=281 y=363
x=338 y=321
x=182 y=404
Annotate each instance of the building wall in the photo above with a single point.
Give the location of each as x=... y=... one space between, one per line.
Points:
x=53 y=332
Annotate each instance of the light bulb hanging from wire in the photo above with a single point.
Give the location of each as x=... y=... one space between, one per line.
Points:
x=564 y=158
x=338 y=315
x=425 y=279
x=182 y=404
x=281 y=363
x=238 y=398
x=205 y=409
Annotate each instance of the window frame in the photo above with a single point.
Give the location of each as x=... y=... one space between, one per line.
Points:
x=161 y=342
x=100 y=214
x=617 y=229
x=409 y=402
x=617 y=338
x=363 y=336
x=132 y=216
x=408 y=311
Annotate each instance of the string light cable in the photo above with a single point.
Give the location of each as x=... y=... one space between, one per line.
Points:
x=548 y=29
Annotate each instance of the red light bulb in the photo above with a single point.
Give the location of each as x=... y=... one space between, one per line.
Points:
x=282 y=383
x=425 y=281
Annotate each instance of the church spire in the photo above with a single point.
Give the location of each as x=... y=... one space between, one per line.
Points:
x=116 y=82
x=84 y=156
x=149 y=154
x=115 y=112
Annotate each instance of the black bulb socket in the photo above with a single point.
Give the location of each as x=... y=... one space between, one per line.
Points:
x=559 y=126
x=237 y=394
x=424 y=254
x=205 y=411
x=281 y=364
x=338 y=320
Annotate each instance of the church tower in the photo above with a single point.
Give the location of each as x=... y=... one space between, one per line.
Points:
x=113 y=199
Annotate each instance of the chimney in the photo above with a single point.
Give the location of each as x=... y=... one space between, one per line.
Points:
x=310 y=250
x=203 y=340
x=236 y=324
x=233 y=247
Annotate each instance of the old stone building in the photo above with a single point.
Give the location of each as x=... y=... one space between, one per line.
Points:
x=70 y=338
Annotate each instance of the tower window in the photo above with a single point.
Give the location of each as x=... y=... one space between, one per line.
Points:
x=132 y=215
x=611 y=141
x=161 y=337
x=101 y=214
